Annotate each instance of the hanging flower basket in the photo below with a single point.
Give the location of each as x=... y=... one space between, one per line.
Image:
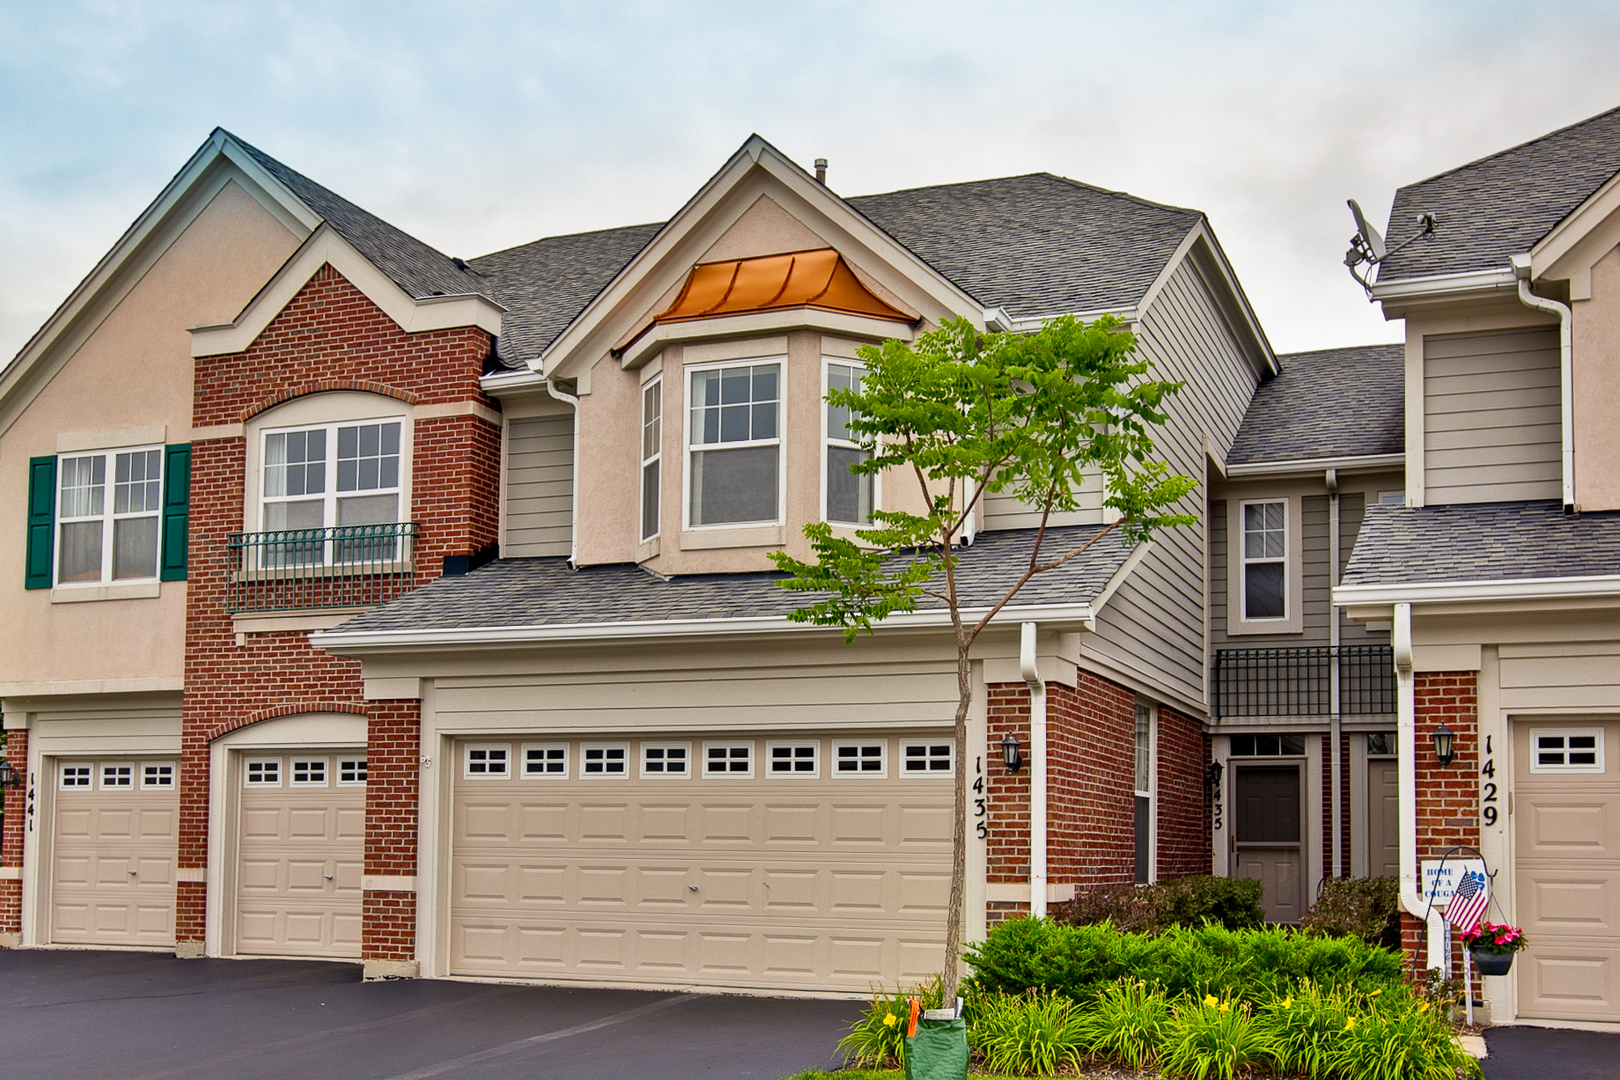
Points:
x=1492 y=946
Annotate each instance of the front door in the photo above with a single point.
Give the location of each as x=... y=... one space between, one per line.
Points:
x=1266 y=837
x=1383 y=818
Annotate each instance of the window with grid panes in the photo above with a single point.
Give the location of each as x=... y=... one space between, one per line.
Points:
x=109 y=535
x=734 y=445
x=848 y=496
x=1265 y=560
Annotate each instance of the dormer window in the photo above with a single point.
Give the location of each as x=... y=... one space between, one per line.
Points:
x=734 y=444
x=652 y=441
x=848 y=497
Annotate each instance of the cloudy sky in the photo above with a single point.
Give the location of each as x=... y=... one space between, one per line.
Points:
x=480 y=125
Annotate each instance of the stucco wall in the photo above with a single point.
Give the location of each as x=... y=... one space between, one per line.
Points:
x=1596 y=364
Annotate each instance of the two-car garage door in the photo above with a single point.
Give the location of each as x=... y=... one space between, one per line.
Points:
x=797 y=862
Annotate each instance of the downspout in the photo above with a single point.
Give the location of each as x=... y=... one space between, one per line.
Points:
x=1335 y=718
x=1406 y=750
x=1028 y=665
x=1566 y=373
x=573 y=511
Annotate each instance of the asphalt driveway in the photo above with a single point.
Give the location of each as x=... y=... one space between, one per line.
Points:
x=1533 y=1053
x=142 y=1016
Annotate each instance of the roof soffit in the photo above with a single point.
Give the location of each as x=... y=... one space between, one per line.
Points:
x=216 y=163
x=757 y=169
x=1204 y=252
x=323 y=247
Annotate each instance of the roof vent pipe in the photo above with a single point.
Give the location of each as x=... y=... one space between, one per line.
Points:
x=821 y=171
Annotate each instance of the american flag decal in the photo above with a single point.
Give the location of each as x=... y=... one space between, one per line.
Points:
x=1468 y=902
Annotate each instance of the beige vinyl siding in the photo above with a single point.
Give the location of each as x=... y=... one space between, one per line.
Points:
x=539 y=485
x=1316 y=582
x=1572 y=675
x=1004 y=510
x=1154 y=623
x=1490 y=417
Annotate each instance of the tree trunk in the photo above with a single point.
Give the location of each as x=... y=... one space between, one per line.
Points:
x=958 y=901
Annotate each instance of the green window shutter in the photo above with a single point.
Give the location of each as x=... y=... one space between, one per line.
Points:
x=176 y=511
x=41 y=522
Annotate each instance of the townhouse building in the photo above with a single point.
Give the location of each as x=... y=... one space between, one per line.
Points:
x=456 y=650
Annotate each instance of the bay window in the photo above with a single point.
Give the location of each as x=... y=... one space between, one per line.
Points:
x=734 y=445
x=652 y=441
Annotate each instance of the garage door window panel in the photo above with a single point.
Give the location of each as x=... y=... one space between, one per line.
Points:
x=263 y=772
x=867 y=760
x=157 y=776
x=666 y=761
x=75 y=775
x=728 y=760
x=488 y=761
x=309 y=772
x=796 y=759
x=1566 y=750
x=545 y=761
x=604 y=761
x=935 y=757
x=117 y=777
x=351 y=772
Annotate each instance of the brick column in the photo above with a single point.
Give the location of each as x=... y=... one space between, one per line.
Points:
x=11 y=842
x=1447 y=796
x=388 y=920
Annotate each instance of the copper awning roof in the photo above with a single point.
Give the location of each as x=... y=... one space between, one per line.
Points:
x=813 y=279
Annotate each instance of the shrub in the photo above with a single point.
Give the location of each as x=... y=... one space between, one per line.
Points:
x=1029 y=1035
x=1399 y=1039
x=1365 y=908
x=879 y=1036
x=1212 y=1038
x=1077 y=961
x=1304 y=1027
x=1125 y=1022
x=1150 y=909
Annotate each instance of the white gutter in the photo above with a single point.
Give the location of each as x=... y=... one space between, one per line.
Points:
x=1315 y=465
x=998 y=320
x=338 y=639
x=573 y=510
x=1566 y=371
x=1437 y=285
x=1029 y=666
x=1406 y=751
x=1598 y=586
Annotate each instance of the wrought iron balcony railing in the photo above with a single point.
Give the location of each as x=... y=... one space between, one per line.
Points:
x=297 y=569
x=1300 y=681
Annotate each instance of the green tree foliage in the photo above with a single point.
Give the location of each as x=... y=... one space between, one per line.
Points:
x=965 y=414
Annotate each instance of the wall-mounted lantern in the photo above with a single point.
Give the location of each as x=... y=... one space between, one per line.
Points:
x=1444 y=745
x=1011 y=753
x=1212 y=775
x=9 y=777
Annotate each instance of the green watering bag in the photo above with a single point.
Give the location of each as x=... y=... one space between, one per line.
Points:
x=939 y=1051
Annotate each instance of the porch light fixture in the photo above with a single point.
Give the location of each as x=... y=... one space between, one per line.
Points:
x=9 y=777
x=1444 y=748
x=1212 y=774
x=1011 y=753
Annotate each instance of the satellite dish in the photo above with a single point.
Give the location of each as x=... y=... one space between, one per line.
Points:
x=1367 y=238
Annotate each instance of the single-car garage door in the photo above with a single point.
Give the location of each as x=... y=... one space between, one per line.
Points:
x=1567 y=869
x=113 y=853
x=787 y=862
x=301 y=855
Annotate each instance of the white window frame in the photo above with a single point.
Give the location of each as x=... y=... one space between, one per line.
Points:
x=947 y=741
x=89 y=776
x=147 y=784
x=652 y=391
x=247 y=772
x=813 y=773
x=880 y=773
x=728 y=746
x=350 y=760
x=307 y=760
x=584 y=760
x=1149 y=712
x=129 y=774
x=688 y=447
x=109 y=517
x=665 y=747
x=1565 y=732
x=485 y=748
x=1237 y=620
x=523 y=756
x=828 y=442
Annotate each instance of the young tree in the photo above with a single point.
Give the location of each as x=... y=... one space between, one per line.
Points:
x=966 y=414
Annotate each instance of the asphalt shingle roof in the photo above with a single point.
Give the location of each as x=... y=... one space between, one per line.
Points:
x=1501 y=205
x=415 y=267
x=1036 y=244
x=1327 y=403
x=1482 y=542
x=530 y=592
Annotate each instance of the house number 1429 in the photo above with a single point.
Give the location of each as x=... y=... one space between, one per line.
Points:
x=1487 y=786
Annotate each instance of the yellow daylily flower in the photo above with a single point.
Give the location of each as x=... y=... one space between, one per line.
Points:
x=890 y=1020
x=1226 y=1006
x=1350 y=1023
x=1287 y=1001
x=1209 y=999
x=1375 y=993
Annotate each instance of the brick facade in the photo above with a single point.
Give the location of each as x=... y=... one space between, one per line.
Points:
x=330 y=337
x=1091 y=750
x=1447 y=796
x=11 y=834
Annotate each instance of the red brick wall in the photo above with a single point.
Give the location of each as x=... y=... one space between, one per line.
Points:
x=1183 y=799
x=1447 y=797
x=329 y=337
x=1091 y=750
x=388 y=926
x=11 y=832
x=1348 y=799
